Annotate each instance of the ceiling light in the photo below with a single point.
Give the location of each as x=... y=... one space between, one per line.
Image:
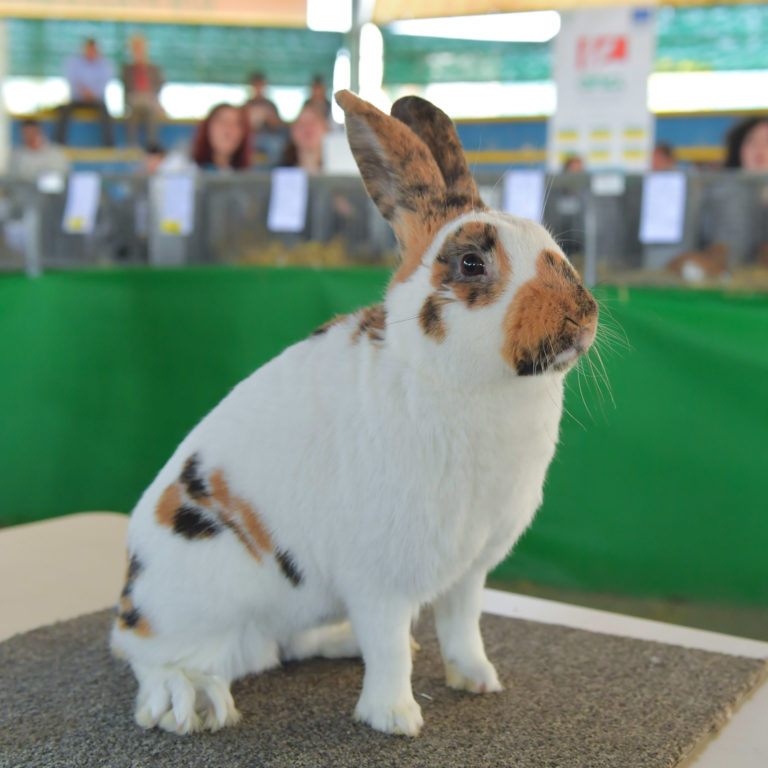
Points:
x=527 y=27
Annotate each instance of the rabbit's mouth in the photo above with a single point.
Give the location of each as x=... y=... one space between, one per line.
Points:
x=557 y=357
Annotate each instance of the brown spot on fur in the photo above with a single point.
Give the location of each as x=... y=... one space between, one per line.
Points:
x=240 y=517
x=474 y=237
x=168 y=505
x=549 y=314
x=431 y=318
x=373 y=323
x=329 y=324
x=128 y=616
x=189 y=512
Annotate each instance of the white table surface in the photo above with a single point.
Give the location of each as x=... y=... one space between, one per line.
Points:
x=62 y=568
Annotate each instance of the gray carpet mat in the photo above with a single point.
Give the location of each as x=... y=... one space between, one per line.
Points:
x=574 y=699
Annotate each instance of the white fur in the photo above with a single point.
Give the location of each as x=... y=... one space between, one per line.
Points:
x=396 y=474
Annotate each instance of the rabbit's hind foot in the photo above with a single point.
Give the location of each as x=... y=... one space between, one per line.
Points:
x=182 y=701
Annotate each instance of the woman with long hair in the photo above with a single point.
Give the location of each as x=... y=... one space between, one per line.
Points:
x=222 y=140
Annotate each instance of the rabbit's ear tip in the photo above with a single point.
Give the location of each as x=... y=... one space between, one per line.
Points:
x=345 y=99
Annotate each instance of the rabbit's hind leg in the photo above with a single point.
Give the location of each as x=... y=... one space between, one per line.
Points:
x=182 y=701
x=330 y=641
x=192 y=692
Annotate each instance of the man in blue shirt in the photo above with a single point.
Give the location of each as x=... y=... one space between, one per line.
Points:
x=88 y=75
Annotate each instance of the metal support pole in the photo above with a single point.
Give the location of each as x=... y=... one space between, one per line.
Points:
x=590 y=241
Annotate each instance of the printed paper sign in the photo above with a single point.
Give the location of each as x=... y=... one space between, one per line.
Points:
x=662 y=215
x=82 y=202
x=608 y=184
x=602 y=60
x=288 y=199
x=524 y=194
x=177 y=204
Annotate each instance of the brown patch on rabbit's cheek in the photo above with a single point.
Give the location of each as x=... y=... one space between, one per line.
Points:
x=533 y=325
x=431 y=318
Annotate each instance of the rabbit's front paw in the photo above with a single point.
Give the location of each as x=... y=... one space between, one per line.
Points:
x=478 y=677
x=403 y=717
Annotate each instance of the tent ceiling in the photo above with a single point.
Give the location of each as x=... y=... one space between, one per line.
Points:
x=392 y=10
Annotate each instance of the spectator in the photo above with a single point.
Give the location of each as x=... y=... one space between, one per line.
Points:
x=733 y=214
x=268 y=129
x=305 y=148
x=87 y=75
x=747 y=145
x=154 y=156
x=142 y=82
x=262 y=113
x=573 y=164
x=222 y=141
x=37 y=155
x=318 y=99
x=663 y=157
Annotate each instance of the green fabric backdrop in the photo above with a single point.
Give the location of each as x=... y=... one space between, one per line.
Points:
x=102 y=373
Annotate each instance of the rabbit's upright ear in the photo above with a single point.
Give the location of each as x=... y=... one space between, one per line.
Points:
x=438 y=132
x=401 y=176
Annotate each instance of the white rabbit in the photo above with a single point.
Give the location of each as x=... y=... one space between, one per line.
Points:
x=386 y=462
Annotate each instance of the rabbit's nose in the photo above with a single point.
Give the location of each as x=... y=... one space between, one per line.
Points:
x=586 y=336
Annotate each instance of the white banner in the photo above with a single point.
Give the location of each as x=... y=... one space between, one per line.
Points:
x=603 y=58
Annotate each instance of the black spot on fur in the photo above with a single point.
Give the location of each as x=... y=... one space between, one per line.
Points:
x=130 y=618
x=191 y=479
x=487 y=241
x=134 y=567
x=457 y=201
x=192 y=523
x=319 y=331
x=288 y=567
x=525 y=366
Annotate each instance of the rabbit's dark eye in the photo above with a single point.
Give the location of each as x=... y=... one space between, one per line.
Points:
x=472 y=265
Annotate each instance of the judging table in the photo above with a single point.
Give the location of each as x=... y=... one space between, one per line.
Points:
x=61 y=568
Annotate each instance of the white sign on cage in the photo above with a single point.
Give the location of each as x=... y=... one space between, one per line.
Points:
x=662 y=214
x=82 y=202
x=524 y=193
x=288 y=198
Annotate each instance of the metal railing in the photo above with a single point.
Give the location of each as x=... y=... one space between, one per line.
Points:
x=723 y=233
